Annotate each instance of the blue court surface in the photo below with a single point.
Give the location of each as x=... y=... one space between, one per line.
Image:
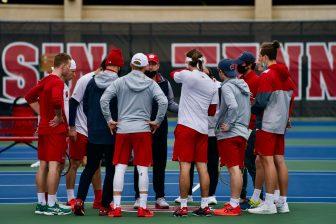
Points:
x=307 y=141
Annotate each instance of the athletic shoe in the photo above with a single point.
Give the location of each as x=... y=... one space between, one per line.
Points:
x=181 y=212
x=202 y=212
x=40 y=209
x=61 y=205
x=145 y=212
x=71 y=203
x=254 y=204
x=161 y=203
x=115 y=212
x=282 y=208
x=244 y=204
x=178 y=200
x=136 y=203
x=57 y=210
x=36 y=164
x=79 y=207
x=96 y=204
x=104 y=211
x=228 y=210
x=264 y=209
x=212 y=200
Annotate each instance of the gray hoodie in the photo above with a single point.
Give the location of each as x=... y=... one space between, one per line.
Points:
x=104 y=78
x=234 y=109
x=135 y=93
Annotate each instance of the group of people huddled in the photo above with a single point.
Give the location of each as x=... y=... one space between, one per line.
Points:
x=238 y=122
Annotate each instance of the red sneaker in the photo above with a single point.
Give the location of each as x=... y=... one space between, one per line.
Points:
x=115 y=212
x=96 y=204
x=71 y=203
x=145 y=212
x=181 y=212
x=104 y=211
x=228 y=210
x=79 y=207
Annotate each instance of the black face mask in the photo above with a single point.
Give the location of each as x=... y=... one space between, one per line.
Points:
x=241 y=69
x=150 y=74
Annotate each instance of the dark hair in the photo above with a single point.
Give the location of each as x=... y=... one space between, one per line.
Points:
x=60 y=59
x=270 y=49
x=195 y=56
x=102 y=64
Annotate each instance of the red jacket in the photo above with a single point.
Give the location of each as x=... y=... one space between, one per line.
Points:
x=49 y=94
x=252 y=80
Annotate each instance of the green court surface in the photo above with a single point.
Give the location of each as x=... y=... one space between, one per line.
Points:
x=300 y=213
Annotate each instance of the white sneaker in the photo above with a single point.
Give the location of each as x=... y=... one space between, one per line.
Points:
x=212 y=200
x=136 y=203
x=178 y=200
x=61 y=205
x=36 y=164
x=282 y=208
x=264 y=209
x=161 y=203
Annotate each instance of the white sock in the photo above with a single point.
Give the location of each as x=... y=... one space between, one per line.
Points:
x=204 y=202
x=184 y=202
x=282 y=200
x=234 y=202
x=51 y=200
x=143 y=200
x=41 y=198
x=256 y=194
x=143 y=178
x=276 y=196
x=116 y=201
x=118 y=180
x=70 y=194
x=269 y=199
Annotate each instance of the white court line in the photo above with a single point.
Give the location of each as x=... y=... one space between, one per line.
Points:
x=34 y=185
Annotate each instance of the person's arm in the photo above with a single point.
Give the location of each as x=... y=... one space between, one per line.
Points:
x=263 y=96
x=73 y=104
x=108 y=94
x=180 y=76
x=32 y=98
x=162 y=101
x=232 y=108
x=57 y=102
x=172 y=105
x=213 y=106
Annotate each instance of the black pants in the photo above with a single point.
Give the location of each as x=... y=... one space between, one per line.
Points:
x=95 y=153
x=250 y=166
x=213 y=162
x=159 y=150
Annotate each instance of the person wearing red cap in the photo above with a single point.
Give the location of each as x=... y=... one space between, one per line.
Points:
x=79 y=140
x=159 y=140
x=100 y=139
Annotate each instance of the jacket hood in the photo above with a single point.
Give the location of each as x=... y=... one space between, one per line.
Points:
x=281 y=69
x=137 y=81
x=104 y=79
x=241 y=84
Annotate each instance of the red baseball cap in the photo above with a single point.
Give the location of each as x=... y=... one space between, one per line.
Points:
x=115 y=58
x=153 y=57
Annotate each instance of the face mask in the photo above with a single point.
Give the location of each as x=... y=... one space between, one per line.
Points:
x=150 y=74
x=241 y=69
x=264 y=66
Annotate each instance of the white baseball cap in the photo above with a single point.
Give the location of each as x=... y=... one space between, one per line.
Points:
x=73 y=65
x=139 y=60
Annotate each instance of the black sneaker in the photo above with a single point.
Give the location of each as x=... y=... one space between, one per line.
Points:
x=202 y=212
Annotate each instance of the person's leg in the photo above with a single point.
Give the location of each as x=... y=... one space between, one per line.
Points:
x=191 y=176
x=184 y=182
x=108 y=181
x=94 y=156
x=136 y=183
x=41 y=182
x=143 y=185
x=244 y=186
x=282 y=171
x=71 y=178
x=204 y=182
x=159 y=163
x=236 y=183
x=259 y=181
x=53 y=177
x=118 y=184
x=212 y=165
x=97 y=187
x=270 y=178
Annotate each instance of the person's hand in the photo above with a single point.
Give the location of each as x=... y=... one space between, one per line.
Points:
x=153 y=126
x=56 y=121
x=113 y=126
x=224 y=127
x=73 y=134
x=289 y=123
